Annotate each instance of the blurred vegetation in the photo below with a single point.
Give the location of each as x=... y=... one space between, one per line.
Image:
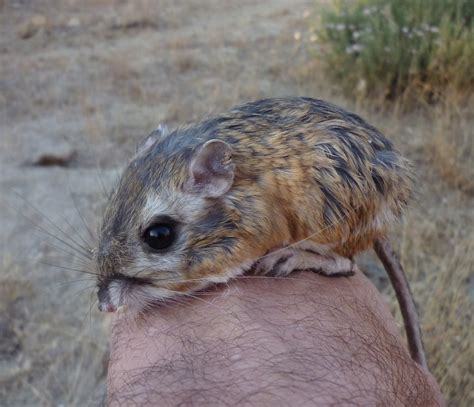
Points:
x=413 y=50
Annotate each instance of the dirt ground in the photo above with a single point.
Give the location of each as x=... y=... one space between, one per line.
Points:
x=81 y=82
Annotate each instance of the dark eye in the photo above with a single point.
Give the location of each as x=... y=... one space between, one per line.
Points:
x=159 y=236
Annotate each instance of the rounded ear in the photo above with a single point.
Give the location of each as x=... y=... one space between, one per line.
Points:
x=211 y=170
x=160 y=132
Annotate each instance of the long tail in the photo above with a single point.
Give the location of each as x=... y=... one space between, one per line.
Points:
x=397 y=276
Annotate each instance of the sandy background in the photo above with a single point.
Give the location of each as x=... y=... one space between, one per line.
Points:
x=80 y=83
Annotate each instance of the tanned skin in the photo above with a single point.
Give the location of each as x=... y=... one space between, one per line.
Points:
x=301 y=340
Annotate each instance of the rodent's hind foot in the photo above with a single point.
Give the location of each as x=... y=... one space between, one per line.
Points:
x=331 y=265
x=284 y=261
x=340 y=273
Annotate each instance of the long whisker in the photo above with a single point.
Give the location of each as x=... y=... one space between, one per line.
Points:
x=80 y=280
x=148 y=302
x=89 y=287
x=85 y=243
x=88 y=229
x=303 y=240
x=92 y=302
x=105 y=192
x=69 y=268
x=196 y=297
x=79 y=251
x=75 y=257
x=142 y=270
x=86 y=250
x=268 y=277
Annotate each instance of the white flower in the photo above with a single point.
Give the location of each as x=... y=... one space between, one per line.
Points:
x=361 y=86
x=354 y=48
x=313 y=38
x=340 y=27
x=434 y=29
x=405 y=30
x=366 y=11
x=297 y=35
x=356 y=35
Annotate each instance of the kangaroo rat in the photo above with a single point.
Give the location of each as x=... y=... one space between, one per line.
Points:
x=270 y=187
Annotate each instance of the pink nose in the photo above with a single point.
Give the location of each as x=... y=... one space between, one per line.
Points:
x=107 y=307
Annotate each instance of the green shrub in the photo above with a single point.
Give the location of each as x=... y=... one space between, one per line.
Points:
x=393 y=48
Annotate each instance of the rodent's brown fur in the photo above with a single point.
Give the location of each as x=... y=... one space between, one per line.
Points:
x=304 y=170
x=328 y=161
x=303 y=167
x=294 y=169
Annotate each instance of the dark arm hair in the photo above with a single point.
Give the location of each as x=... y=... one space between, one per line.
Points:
x=302 y=340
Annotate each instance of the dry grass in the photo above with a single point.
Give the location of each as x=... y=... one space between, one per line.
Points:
x=448 y=324
x=186 y=63
x=439 y=261
x=452 y=144
x=441 y=278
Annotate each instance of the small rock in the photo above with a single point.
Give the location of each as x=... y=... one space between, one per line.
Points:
x=59 y=158
x=73 y=22
x=36 y=24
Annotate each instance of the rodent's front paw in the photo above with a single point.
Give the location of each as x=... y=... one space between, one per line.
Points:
x=284 y=261
x=275 y=264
